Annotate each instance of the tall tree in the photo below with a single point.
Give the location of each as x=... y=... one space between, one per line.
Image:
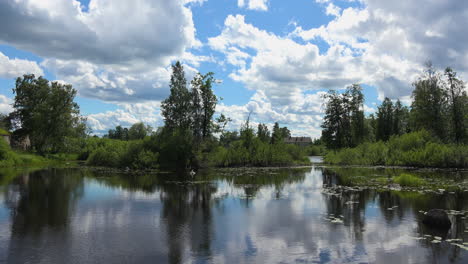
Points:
x=400 y=119
x=263 y=133
x=176 y=109
x=46 y=112
x=197 y=108
x=385 y=120
x=429 y=103
x=209 y=101
x=458 y=105
x=139 y=131
x=356 y=114
x=334 y=126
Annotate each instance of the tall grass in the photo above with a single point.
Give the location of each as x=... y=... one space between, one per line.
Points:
x=417 y=149
x=258 y=154
x=408 y=180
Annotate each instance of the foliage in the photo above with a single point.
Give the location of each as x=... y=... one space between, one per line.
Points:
x=344 y=122
x=429 y=104
x=418 y=149
x=257 y=153
x=46 y=112
x=408 y=180
x=176 y=108
x=121 y=154
x=316 y=150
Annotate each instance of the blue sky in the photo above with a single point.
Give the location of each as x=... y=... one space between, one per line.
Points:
x=275 y=58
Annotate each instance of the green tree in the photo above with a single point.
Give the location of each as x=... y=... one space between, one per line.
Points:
x=176 y=109
x=458 y=102
x=139 y=131
x=209 y=101
x=334 y=126
x=263 y=133
x=197 y=108
x=277 y=134
x=46 y=112
x=428 y=109
x=400 y=119
x=221 y=123
x=355 y=107
x=385 y=120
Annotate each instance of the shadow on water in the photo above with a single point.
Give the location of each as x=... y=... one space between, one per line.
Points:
x=238 y=215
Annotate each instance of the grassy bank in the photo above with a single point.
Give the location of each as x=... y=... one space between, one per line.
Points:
x=417 y=149
x=11 y=158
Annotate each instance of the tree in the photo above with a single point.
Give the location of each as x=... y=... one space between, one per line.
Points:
x=139 y=131
x=247 y=134
x=46 y=112
x=356 y=114
x=221 y=123
x=197 y=108
x=209 y=102
x=276 y=135
x=176 y=109
x=334 y=126
x=400 y=119
x=263 y=133
x=385 y=120
x=428 y=108
x=458 y=105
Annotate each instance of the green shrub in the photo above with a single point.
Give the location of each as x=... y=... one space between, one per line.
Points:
x=416 y=149
x=408 y=180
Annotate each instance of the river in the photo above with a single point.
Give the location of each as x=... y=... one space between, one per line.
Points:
x=289 y=215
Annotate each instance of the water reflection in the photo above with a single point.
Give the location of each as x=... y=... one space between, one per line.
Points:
x=306 y=215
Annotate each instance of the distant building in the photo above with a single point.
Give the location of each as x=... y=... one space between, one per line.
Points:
x=300 y=141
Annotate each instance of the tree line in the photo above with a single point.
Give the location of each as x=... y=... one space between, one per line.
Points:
x=439 y=105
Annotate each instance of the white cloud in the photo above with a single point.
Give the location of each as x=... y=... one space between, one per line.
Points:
x=261 y=5
x=303 y=118
x=116 y=50
x=332 y=10
x=12 y=68
x=281 y=67
x=126 y=115
x=5 y=104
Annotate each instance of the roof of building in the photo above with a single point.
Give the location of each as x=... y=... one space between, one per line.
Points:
x=298 y=140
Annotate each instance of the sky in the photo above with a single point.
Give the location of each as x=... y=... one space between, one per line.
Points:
x=276 y=58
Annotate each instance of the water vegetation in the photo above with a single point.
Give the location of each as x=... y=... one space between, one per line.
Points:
x=408 y=180
x=416 y=149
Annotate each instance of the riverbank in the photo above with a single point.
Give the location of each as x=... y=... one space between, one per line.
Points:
x=417 y=149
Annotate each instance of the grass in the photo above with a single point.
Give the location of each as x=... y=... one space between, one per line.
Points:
x=417 y=149
x=409 y=180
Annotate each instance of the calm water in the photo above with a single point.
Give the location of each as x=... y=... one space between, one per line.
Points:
x=225 y=216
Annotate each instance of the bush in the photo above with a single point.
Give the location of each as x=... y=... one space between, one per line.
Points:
x=408 y=180
x=121 y=154
x=258 y=153
x=417 y=149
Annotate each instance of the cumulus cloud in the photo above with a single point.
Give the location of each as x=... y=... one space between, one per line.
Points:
x=280 y=66
x=12 y=68
x=126 y=115
x=261 y=5
x=303 y=118
x=332 y=10
x=109 y=32
x=5 y=104
x=113 y=50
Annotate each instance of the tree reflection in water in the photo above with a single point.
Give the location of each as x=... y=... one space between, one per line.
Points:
x=230 y=215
